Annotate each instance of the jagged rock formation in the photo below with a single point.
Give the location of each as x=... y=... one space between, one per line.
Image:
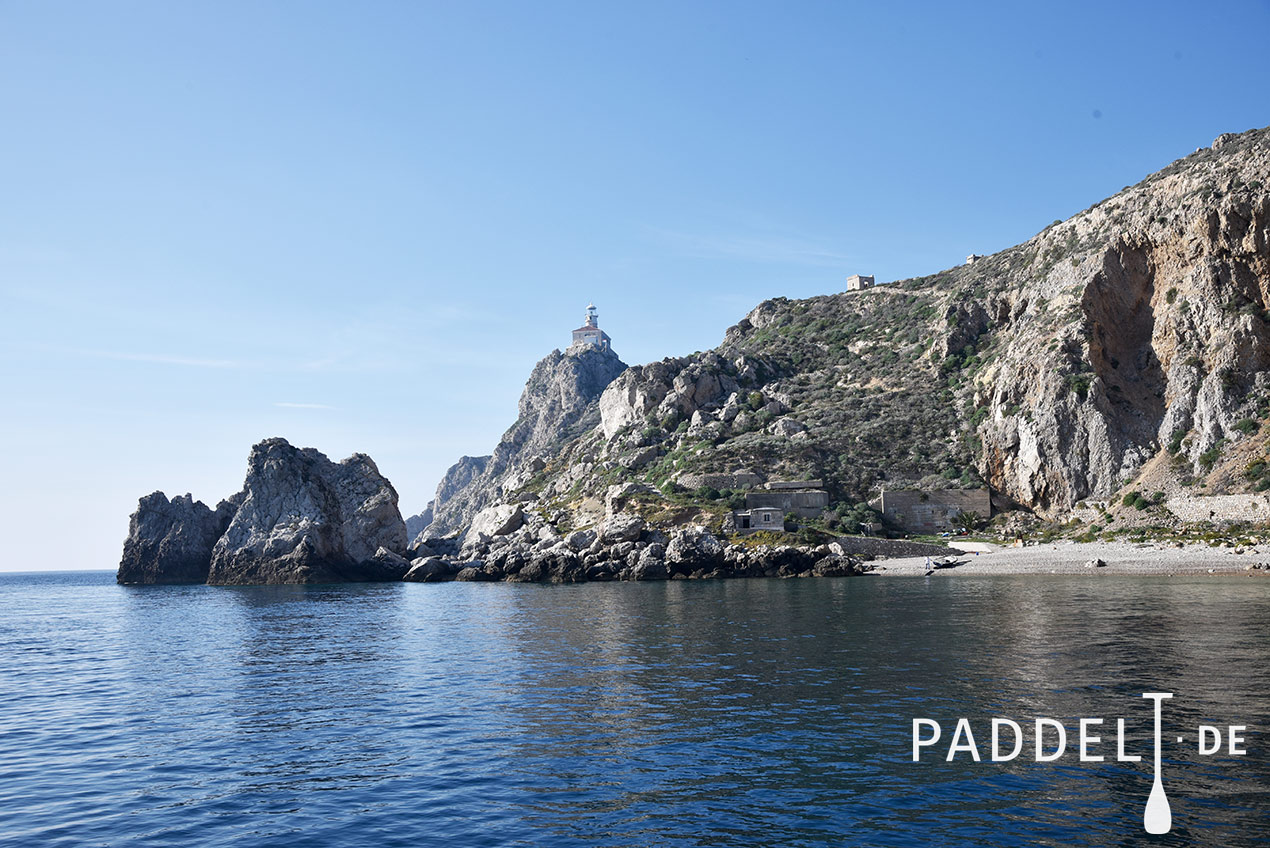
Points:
x=416 y=524
x=300 y=518
x=557 y=404
x=171 y=541
x=456 y=485
x=1134 y=336
x=306 y=519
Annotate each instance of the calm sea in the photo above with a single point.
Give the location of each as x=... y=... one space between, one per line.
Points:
x=744 y=712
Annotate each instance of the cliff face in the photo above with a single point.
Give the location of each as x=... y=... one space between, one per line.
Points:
x=557 y=404
x=1152 y=341
x=1135 y=333
x=300 y=518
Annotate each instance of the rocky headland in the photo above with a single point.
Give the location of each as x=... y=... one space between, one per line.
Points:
x=1111 y=372
x=1113 y=368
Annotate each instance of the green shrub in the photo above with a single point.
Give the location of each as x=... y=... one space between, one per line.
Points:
x=1247 y=426
x=1171 y=295
x=1175 y=441
x=1129 y=499
x=1079 y=384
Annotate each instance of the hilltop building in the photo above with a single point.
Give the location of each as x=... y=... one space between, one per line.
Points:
x=590 y=333
x=856 y=282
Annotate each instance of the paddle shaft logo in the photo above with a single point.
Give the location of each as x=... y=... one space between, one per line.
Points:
x=1157 y=815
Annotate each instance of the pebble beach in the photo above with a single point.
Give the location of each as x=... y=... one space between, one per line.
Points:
x=1153 y=559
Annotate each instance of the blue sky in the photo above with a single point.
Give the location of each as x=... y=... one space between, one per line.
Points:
x=359 y=225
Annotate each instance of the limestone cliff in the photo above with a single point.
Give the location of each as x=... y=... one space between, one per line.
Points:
x=557 y=404
x=1135 y=334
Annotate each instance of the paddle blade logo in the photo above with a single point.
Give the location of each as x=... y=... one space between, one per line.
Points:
x=1157 y=817
x=1050 y=743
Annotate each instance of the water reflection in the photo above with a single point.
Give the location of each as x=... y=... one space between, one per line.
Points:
x=772 y=712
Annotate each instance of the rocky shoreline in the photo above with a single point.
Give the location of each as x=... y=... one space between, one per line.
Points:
x=505 y=544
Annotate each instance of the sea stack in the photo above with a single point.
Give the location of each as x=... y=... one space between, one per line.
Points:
x=300 y=518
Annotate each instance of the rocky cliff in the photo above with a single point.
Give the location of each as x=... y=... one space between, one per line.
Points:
x=557 y=404
x=1129 y=340
x=171 y=541
x=300 y=518
x=306 y=519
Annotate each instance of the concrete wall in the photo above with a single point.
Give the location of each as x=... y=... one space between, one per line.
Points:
x=868 y=548
x=933 y=512
x=803 y=504
x=1254 y=508
x=734 y=481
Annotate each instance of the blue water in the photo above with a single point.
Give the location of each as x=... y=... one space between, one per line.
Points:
x=744 y=712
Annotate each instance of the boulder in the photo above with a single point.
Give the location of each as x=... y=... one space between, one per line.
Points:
x=427 y=570
x=580 y=540
x=787 y=427
x=622 y=527
x=692 y=548
x=835 y=565
x=385 y=566
x=495 y=521
x=475 y=573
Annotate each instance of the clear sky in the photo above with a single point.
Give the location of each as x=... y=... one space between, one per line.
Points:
x=358 y=225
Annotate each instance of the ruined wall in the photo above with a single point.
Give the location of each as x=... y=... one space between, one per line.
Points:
x=1220 y=507
x=803 y=504
x=933 y=512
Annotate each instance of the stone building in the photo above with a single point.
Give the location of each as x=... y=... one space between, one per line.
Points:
x=766 y=509
x=800 y=497
x=932 y=512
x=590 y=333
x=856 y=282
x=753 y=520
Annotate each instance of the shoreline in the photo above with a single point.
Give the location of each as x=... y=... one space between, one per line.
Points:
x=1121 y=558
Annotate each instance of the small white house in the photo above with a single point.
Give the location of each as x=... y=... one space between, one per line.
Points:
x=751 y=520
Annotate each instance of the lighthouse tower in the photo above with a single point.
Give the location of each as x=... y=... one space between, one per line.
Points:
x=590 y=333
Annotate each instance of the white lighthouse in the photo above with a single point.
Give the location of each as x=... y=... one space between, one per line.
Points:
x=590 y=333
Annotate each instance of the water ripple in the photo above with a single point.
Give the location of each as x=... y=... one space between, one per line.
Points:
x=760 y=712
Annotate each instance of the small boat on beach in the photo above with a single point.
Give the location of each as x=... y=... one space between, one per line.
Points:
x=942 y=562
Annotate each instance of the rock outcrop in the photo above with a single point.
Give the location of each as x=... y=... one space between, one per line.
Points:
x=557 y=404
x=172 y=541
x=300 y=518
x=624 y=547
x=306 y=519
x=416 y=524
